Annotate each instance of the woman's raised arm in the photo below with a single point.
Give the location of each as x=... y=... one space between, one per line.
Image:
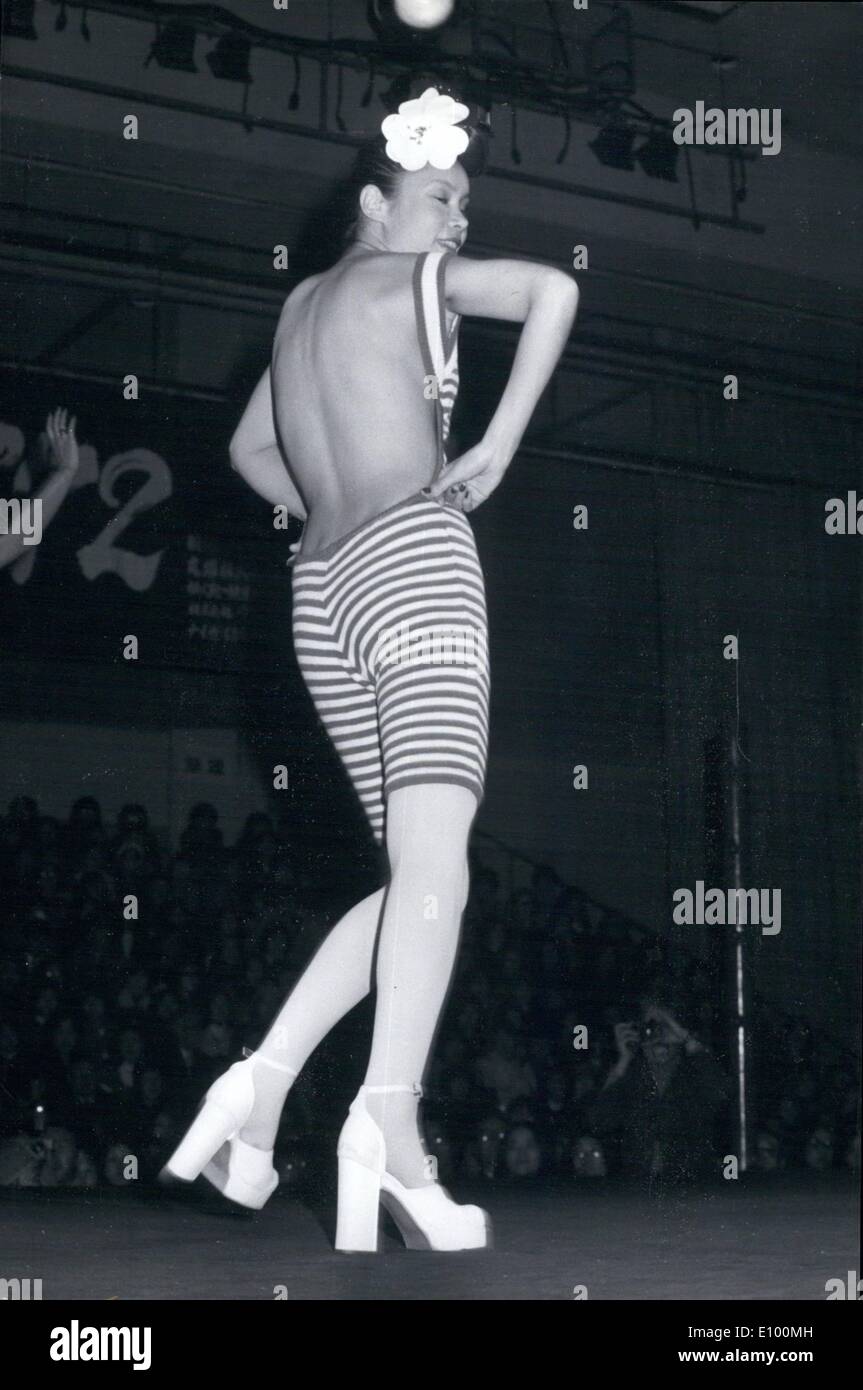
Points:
x=501 y=288
x=546 y=301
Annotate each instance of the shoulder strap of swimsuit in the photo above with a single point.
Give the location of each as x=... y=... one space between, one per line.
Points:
x=439 y=348
x=438 y=345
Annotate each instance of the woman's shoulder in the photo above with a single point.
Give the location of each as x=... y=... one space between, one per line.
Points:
x=381 y=281
x=373 y=288
x=387 y=266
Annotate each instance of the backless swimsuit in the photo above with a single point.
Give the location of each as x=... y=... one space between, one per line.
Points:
x=390 y=624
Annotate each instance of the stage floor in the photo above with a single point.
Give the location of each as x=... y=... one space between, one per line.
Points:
x=753 y=1239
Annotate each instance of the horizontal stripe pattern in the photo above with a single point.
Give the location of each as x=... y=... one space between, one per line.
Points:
x=438 y=345
x=447 y=393
x=390 y=630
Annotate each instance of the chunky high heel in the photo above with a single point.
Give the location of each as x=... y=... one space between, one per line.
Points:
x=243 y=1173
x=427 y=1217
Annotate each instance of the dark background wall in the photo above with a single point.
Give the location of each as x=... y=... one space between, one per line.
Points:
x=706 y=516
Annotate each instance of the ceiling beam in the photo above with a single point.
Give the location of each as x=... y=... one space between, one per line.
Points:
x=81 y=326
x=708 y=13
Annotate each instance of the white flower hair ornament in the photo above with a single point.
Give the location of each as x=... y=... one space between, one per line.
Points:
x=426 y=131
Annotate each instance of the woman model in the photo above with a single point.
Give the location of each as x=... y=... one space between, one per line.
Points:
x=358 y=398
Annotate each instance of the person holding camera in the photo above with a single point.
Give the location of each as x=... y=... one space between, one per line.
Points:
x=660 y=1100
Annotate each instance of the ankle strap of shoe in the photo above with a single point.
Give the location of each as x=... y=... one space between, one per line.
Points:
x=247 y=1052
x=413 y=1086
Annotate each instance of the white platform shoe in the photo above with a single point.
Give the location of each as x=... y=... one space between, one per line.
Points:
x=427 y=1217
x=212 y=1146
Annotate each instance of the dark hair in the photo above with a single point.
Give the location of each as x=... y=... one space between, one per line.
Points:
x=332 y=226
x=373 y=165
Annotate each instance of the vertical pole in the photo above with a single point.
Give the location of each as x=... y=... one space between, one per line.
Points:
x=739 y=954
x=729 y=952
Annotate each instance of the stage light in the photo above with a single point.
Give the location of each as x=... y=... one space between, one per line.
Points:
x=174 y=47
x=17 y=19
x=394 y=33
x=613 y=146
x=610 y=57
x=658 y=156
x=230 y=59
x=424 y=14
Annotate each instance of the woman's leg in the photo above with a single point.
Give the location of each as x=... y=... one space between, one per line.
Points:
x=340 y=973
x=337 y=977
x=418 y=564
x=427 y=837
x=433 y=702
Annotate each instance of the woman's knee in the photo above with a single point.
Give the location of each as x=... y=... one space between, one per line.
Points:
x=427 y=837
x=438 y=889
x=427 y=818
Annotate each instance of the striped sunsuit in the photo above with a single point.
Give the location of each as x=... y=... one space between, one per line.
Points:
x=390 y=625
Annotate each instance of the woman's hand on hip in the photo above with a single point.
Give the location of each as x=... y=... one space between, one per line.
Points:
x=470 y=479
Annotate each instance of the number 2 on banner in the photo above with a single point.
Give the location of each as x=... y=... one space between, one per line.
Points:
x=102 y=556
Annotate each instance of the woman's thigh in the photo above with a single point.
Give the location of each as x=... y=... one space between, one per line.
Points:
x=392 y=640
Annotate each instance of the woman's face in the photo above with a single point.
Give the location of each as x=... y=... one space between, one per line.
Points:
x=522 y=1156
x=428 y=211
x=588 y=1160
x=48 y=880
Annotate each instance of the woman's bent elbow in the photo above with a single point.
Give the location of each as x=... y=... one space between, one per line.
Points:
x=567 y=285
x=558 y=287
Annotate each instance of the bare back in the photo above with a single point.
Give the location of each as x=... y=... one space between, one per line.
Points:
x=348 y=390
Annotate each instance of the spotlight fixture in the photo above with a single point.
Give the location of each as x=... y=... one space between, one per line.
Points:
x=610 y=57
x=393 y=32
x=613 y=146
x=658 y=156
x=230 y=59
x=174 y=47
x=424 y=14
x=17 y=19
